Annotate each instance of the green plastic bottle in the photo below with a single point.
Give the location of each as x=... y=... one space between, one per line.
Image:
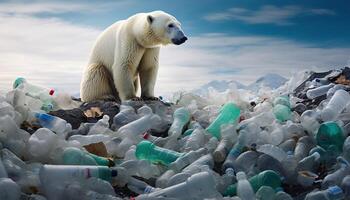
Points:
x=329 y=134
x=266 y=178
x=148 y=151
x=229 y=114
x=75 y=156
x=281 y=108
x=181 y=117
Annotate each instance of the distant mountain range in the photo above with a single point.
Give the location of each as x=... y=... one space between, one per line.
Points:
x=270 y=80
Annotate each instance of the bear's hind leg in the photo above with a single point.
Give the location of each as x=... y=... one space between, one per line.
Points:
x=97 y=84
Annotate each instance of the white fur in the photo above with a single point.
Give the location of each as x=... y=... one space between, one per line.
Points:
x=124 y=54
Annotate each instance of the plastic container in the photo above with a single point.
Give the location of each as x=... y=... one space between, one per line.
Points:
x=329 y=134
x=265 y=178
x=198 y=186
x=55 y=124
x=244 y=189
x=75 y=156
x=228 y=138
x=281 y=108
x=335 y=106
x=332 y=193
x=34 y=91
x=229 y=114
x=319 y=91
x=149 y=151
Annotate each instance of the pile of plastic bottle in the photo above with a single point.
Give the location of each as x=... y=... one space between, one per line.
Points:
x=267 y=146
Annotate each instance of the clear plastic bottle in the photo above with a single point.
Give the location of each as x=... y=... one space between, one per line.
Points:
x=244 y=189
x=198 y=186
x=309 y=163
x=126 y=115
x=228 y=138
x=319 y=91
x=55 y=124
x=303 y=146
x=335 y=106
x=232 y=156
x=332 y=193
x=273 y=151
x=9 y=190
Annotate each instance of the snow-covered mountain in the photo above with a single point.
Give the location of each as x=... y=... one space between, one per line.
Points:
x=270 y=80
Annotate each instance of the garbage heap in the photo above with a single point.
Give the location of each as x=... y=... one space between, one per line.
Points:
x=289 y=143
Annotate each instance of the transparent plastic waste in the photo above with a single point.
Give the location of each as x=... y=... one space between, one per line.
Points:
x=244 y=189
x=335 y=106
x=319 y=91
x=9 y=190
x=332 y=193
x=228 y=138
x=55 y=124
x=198 y=186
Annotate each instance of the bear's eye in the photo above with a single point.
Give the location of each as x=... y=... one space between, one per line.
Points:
x=171 y=25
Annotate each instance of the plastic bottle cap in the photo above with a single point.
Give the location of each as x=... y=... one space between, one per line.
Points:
x=51 y=92
x=241 y=176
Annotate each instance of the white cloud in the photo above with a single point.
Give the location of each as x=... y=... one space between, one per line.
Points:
x=268 y=14
x=37 y=7
x=53 y=52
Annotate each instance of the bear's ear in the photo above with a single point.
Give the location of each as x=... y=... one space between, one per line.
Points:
x=150 y=19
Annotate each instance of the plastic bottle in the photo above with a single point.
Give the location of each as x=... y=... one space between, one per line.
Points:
x=229 y=114
x=181 y=117
x=132 y=133
x=198 y=186
x=244 y=189
x=265 y=193
x=196 y=140
x=346 y=149
x=328 y=134
x=34 y=91
x=246 y=161
x=265 y=178
x=335 y=106
x=266 y=162
x=90 y=139
x=273 y=151
x=187 y=159
x=319 y=91
x=228 y=138
x=140 y=187
x=3 y=173
x=345 y=185
x=9 y=190
x=303 y=147
x=232 y=156
x=141 y=168
x=126 y=115
x=147 y=150
x=310 y=121
x=288 y=145
x=309 y=163
x=337 y=176
x=332 y=193
x=281 y=108
x=75 y=156
x=55 y=124
x=100 y=127
x=227 y=179
x=281 y=195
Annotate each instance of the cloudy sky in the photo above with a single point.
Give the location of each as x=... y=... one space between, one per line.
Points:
x=48 y=42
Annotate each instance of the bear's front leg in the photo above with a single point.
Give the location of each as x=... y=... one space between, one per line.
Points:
x=123 y=81
x=148 y=71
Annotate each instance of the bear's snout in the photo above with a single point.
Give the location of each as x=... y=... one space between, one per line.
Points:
x=179 y=41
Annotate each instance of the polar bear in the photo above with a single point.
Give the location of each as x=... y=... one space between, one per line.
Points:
x=127 y=53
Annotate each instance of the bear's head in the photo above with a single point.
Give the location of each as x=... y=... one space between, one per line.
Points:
x=165 y=28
